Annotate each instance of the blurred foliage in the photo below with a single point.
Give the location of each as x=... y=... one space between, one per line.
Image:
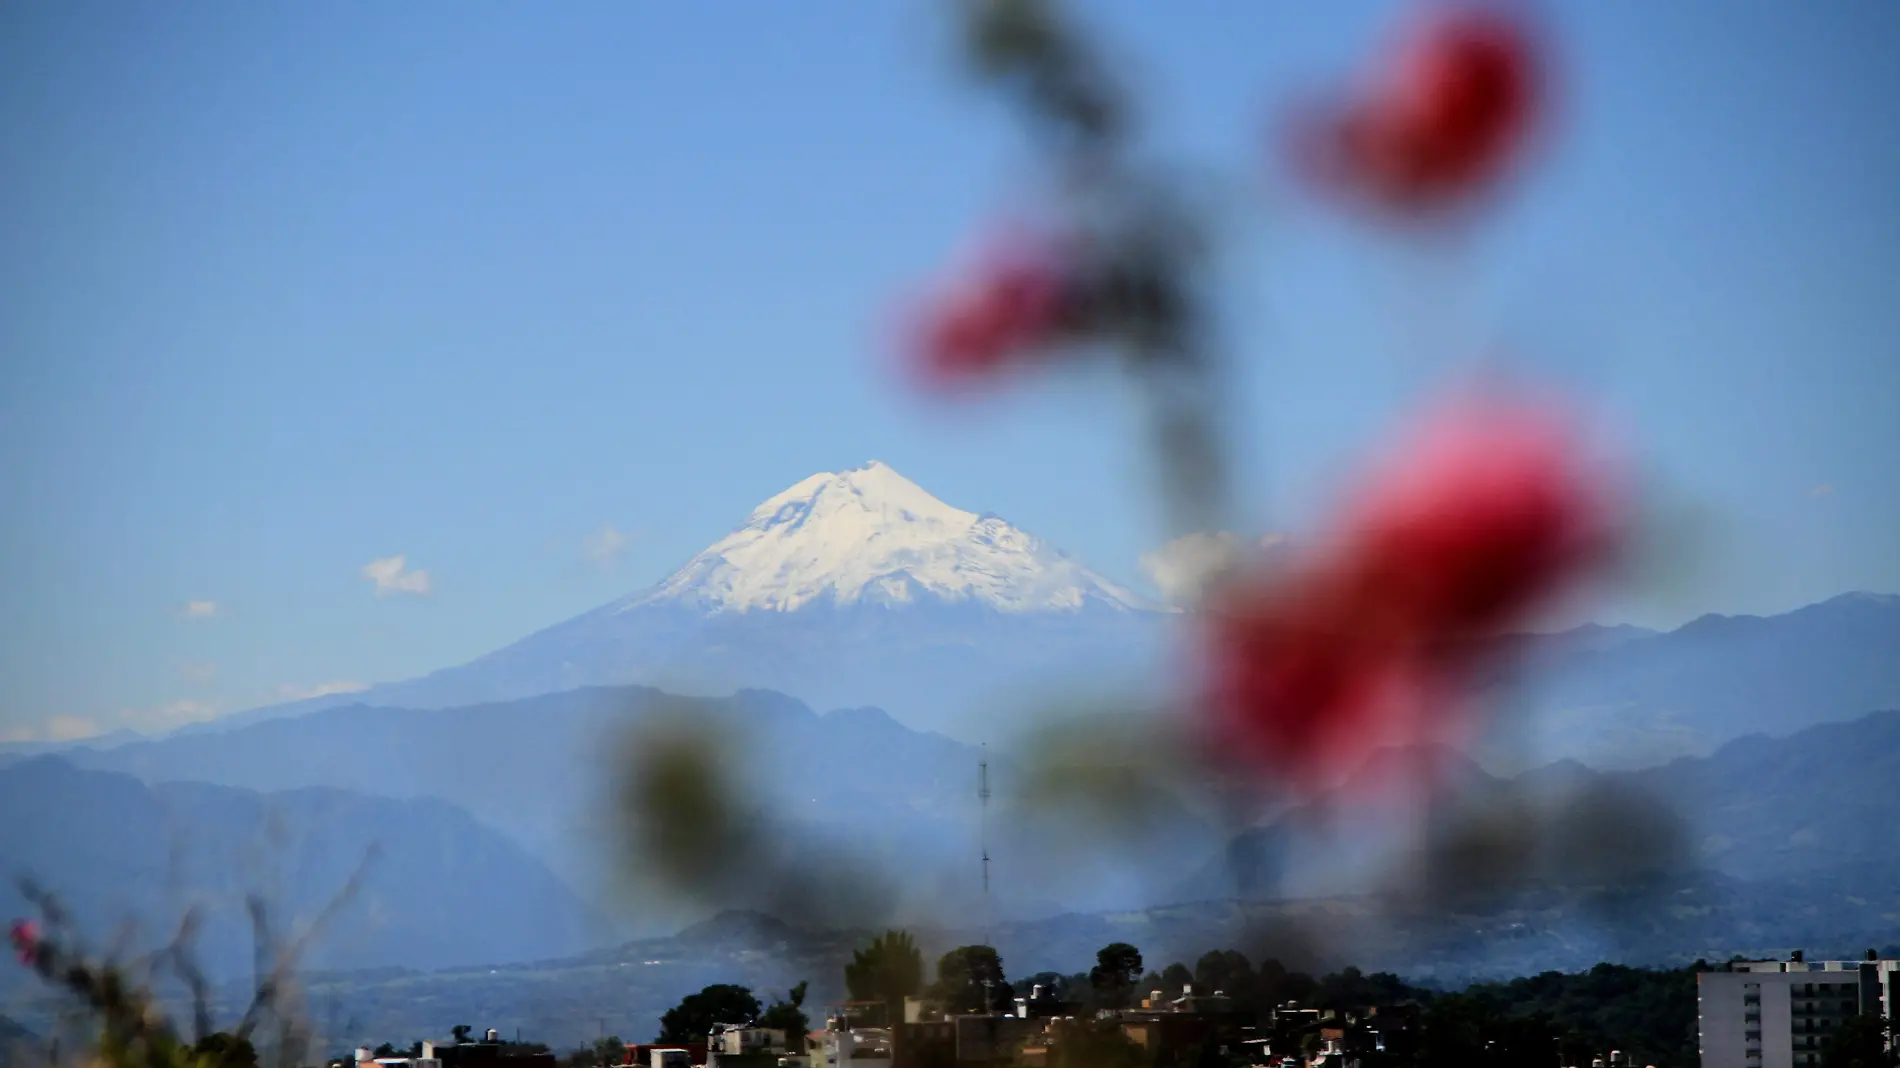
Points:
x=123 y=1018
x=888 y=970
x=697 y=1014
x=788 y=1015
x=970 y=979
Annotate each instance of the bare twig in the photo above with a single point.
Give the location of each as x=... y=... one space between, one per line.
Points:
x=270 y=986
x=179 y=956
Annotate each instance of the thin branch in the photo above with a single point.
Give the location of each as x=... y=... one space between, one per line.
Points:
x=186 y=968
x=270 y=986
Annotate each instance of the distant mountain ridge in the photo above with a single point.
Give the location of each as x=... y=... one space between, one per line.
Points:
x=541 y=770
x=441 y=889
x=1757 y=808
x=1611 y=697
x=1786 y=845
x=1642 y=700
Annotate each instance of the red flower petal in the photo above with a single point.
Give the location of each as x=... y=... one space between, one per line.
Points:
x=1009 y=305
x=1476 y=521
x=26 y=941
x=1450 y=110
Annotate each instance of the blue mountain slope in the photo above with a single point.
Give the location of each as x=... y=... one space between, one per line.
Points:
x=441 y=889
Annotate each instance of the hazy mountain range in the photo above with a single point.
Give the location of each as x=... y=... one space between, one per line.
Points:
x=490 y=785
x=1621 y=698
x=437 y=885
x=1811 y=803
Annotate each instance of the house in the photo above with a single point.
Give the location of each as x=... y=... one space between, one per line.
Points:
x=641 y=1056
x=746 y=1046
x=489 y=1052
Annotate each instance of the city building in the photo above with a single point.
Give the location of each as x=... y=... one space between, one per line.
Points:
x=1780 y=1013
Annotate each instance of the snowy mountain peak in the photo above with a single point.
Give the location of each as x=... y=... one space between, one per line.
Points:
x=871 y=536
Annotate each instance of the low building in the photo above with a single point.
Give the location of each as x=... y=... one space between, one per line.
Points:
x=641 y=1056
x=488 y=1052
x=992 y=1038
x=1780 y=1013
x=857 y=1047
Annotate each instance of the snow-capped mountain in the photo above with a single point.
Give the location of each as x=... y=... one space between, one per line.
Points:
x=872 y=536
x=850 y=588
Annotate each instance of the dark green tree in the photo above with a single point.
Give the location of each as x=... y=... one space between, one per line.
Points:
x=1117 y=967
x=696 y=1014
x=889 y=970
x=460 y=1031
x=1054 y=984
x=961 y=975
x=1174 y=978
x=225 y=1050
x=1225 y=971
x=1866 y=1041
x=788 y=1015
x=610 y=1050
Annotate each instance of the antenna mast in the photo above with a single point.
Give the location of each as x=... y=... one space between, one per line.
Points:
x=983 y=832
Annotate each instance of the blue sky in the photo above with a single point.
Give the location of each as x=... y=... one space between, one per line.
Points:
x=286 y=289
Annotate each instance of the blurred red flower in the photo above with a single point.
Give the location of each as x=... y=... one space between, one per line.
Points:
x=26 y=941
x=1446 y=115
x=1013 y=302
x=1475 y=521
x=1485 y=510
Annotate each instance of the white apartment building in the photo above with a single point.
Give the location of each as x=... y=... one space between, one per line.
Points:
x=1778 y=1013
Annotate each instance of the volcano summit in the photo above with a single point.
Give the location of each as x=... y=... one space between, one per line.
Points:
x=849 y=588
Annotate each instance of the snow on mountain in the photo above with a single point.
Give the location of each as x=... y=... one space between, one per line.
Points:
x=870 y=535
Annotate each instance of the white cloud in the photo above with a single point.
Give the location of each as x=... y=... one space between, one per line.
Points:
x=1186 y=568
x=392 y=574
x=201 y=609
x=70 y=728
x=292 y=692
x=56 y=729
x=605 y=547
x=1183 y=568
x=165 y=717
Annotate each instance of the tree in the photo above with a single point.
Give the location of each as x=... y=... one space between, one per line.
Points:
x=696 y=1014
x=788 y=1015
x=1117 y=967
x=1054 y=984
x=961 y=977
x=460 y=1031
x=1866 y=1041
x=1226 y=971
x=889 y=970
x=1174 y=978
x=225 y=1050
x=609 y=1050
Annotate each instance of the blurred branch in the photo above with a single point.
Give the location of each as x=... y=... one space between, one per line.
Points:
x=271 y=985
